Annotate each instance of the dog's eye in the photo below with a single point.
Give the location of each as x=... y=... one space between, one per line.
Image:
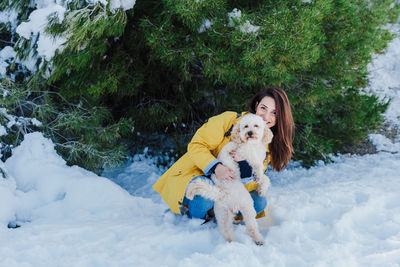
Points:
x=256 y=126
x=246 y=126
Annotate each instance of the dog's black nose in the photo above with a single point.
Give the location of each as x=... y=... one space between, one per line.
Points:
x=250 y=133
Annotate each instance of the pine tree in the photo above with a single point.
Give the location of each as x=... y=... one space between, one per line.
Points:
x=84 y=132
x=171 y=64
x=84 y=135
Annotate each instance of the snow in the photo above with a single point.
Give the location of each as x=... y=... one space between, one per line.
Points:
x=124 y=4
x=235 y=14
x=341 y=214
x=246 y=27
x=382 y=143
x=346 y=213
x=9 y=16
x=36 y=25
x=6 y=54
x=385 y=79
x=206 y=25
x=15 y=120
x=3 y=130
x=36 y=122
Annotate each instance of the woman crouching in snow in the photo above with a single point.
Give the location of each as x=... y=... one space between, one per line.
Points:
x=200 y=161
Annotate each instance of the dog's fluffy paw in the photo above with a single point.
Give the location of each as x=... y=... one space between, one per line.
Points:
x=190 y=192
x=261 y=191
x=259 y=242
x=257 y=237
x=263 y=186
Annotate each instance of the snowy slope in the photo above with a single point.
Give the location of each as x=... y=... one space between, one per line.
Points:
x=342 y=214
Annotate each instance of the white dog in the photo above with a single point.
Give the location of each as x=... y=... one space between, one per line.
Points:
x=249 y=138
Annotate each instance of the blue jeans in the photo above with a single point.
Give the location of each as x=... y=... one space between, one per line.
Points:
x=199 y=205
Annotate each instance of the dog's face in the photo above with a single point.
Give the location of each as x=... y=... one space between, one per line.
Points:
x=251 y=129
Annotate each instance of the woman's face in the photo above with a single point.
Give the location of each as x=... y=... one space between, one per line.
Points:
x=266 y=110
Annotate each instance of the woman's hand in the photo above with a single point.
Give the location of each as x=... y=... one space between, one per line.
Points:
x=236 y=156
x=224 y=173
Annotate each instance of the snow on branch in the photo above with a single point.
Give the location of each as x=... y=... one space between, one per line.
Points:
x=235 y=20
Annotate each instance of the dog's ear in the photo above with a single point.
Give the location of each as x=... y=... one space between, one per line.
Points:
x=268 y=135
x=235 y=134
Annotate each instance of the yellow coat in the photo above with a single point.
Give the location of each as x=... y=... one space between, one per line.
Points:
x=202 y=150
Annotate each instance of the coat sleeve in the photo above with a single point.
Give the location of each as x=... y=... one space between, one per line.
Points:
x=207 y=138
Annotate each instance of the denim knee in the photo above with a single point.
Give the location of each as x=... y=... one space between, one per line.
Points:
x=260 y=203
x=199 y=205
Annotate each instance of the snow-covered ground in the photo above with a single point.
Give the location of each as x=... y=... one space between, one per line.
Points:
x=342 y=214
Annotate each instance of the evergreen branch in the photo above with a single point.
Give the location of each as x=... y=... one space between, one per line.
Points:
x=7 y=42
x=84 y=136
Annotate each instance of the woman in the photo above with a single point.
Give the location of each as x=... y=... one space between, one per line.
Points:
x=199 y=162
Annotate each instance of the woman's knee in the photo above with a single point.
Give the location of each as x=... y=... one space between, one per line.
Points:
x=260 y=203
x=199 y=206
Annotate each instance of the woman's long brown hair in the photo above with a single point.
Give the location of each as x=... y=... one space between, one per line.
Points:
x=281 y=148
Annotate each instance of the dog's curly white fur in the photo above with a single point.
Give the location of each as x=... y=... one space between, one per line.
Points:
x=249 y=138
